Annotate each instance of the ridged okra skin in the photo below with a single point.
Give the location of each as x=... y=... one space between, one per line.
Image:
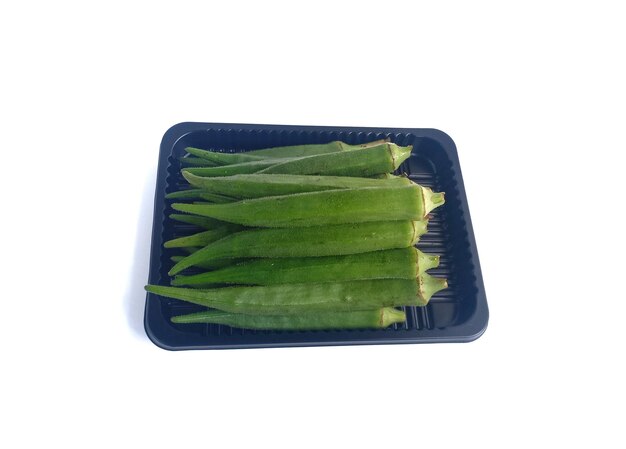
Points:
x=293 y=299
x=369 y=161
x=328 y=207
x=195 y=162
x=203 y=238
x=201 y=222
x=312 y=241
x=209 y=265
x=360 y=319
x=200 y=194
x=259 y=185
x=311 y=149
x=220 y=158
x=384 y=158
x=403 y=263
x=233 y=169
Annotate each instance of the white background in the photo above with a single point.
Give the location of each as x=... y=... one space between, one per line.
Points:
x=533 y=95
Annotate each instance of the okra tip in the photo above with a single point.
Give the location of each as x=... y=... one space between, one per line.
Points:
x=186 y=173
x=188 y=176
x=184 y=207
x=181 y=319
x=185 y=263
x=179 y=280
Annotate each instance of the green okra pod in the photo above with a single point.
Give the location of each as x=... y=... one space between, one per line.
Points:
x=258 y=185
x=233 y=169
x=312 y=241
x=202 y=238
x=384 y=158
x=210 y=265
x=220 y=158
x=378 y=159
x=202 y=222
x=312 y=149
x=360 y=319
x=196 y=162
x=289 y=299
x=403 y=263
x=328 y=207
x=201 y=194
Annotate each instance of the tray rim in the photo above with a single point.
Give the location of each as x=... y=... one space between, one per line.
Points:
x=469 y=331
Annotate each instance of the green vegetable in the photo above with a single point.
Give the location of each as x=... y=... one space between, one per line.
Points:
x=404 y=263
x=384 y=158
x=291 y=299
x=202 y=238
x=362 y=319
x=196 y=161
x=202 y=222
x=262 y=185
x=219 y=158
x=210 y=265
x=202 y=194
x=327 y=207
x=311 y=241
x=311 y=149
x=233 y=169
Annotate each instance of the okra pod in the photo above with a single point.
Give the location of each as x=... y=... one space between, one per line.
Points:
x=329 y=207
x=202 y=238
x=262 y=185
x=290 y=299
x=312 y=149
x=360 y=319
x=309 y=242
x=384 y=158
x=196 y=162
x=220 y=158
x=202 y=222
x=210 y=265
x=234 y=169
x=403 y=263
x=200 y=193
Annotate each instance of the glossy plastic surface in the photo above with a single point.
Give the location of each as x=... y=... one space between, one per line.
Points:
x=457 y=314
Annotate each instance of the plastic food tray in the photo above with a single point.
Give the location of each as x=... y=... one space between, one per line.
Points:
x=457 y=314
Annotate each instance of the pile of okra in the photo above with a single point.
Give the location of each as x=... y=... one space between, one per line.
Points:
x=301 y=237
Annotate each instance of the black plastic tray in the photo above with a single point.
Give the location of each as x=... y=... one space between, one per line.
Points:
x=457 y=314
